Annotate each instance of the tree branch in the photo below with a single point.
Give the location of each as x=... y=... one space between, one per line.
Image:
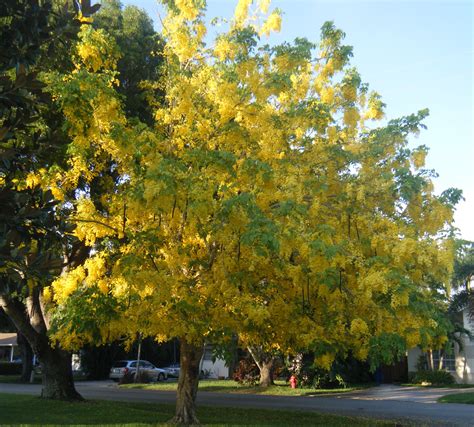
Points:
x=35 y=313
x=16 y=311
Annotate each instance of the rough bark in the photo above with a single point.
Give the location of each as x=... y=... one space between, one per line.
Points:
x=55 y=363
x=190 y=358
x=57 y=377
x=26 y=358
x=265 y=362
x=266 y=373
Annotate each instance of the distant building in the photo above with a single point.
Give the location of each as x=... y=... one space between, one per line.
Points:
x=213 y=369
x=8 y=344
x=460 y=363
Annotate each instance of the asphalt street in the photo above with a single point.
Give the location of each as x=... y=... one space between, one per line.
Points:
x=404 y=404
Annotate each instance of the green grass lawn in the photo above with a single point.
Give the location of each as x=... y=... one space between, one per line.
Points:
x=28 y=410
x=458 y=398
x=229 y=386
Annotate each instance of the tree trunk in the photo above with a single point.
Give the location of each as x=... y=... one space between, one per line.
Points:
x=264 y=361
x=55 y=363
x=26 y=358
x=429 y=359
x=266 y=373
x=56 y=369
x=441 y=360
x=190 y=358
x=136 y=377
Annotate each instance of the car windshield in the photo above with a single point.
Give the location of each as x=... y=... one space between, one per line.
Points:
x=120 y=364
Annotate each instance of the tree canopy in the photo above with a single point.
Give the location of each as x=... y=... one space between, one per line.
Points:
x=261 y=199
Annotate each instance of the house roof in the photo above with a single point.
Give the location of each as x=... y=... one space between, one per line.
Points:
x=8 y=339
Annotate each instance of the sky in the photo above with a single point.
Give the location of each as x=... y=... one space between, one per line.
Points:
x=416 y=54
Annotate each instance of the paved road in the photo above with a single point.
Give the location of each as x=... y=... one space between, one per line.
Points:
x=389 y=402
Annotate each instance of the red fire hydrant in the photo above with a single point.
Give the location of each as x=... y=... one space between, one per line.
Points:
x=293 y=381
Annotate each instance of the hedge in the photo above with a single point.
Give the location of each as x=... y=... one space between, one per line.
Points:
x=9 y=368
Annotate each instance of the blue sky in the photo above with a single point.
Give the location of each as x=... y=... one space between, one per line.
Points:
x=416 y=54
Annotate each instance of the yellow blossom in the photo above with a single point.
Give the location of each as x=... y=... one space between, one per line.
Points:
x=241 y=12
x=351 y=117
x=273 y=23
x=325 y=361
x=187 y=9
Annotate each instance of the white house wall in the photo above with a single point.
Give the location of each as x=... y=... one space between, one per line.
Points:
x=217 y=369
x=464 y=373
x=413 y=356
x=465 y=359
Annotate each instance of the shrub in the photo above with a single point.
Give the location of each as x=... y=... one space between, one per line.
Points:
x=247 y=372
x=311 y=376
x=440 y=377
x=344 y=370
x=323 y=379
x=129 y=378
x=205 y=373
x=352 y=370
x=9 y=368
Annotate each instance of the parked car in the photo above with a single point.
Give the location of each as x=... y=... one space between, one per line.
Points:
x=173 y=370
x=125 y=367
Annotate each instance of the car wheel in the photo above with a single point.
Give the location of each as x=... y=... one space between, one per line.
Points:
x=161 y=377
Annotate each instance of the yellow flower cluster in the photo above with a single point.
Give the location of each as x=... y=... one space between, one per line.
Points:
x=325 y=361
x=327 y=94
x=241 y=12
x=375 y=107
x=351 y=116
x=188 y=9
x=272 y=24
x=349 y=92
x=68 y=283
x=399 y=299
x=418 y=158
x=32 y=180
x=224 y=49
x=264 y=5
x=96 y=50
x=359 y=327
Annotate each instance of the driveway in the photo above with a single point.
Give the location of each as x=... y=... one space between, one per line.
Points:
x=405 y=394
x=404 y=404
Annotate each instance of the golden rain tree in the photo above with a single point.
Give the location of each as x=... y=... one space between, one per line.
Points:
x=265 y=201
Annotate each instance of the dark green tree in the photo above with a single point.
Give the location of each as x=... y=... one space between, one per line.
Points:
x=140 y=65
x=35 y=241
x=35 y=244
